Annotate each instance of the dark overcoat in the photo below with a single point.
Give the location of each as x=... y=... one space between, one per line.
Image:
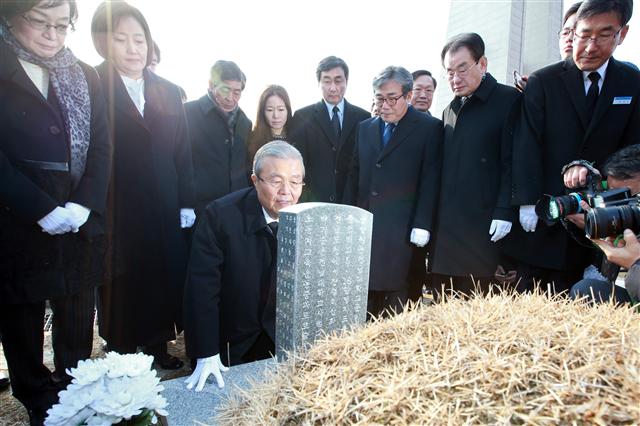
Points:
x=326 y=158
x=219 y=159
x=555 y=130
x=231 y=260
x=399 y=185
x=476 y=180
x=152 y=180
x=35 y=179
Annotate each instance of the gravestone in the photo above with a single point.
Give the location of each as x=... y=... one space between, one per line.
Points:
x=324 y=252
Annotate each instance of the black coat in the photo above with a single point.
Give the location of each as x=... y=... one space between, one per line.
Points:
x=476 y=180
x=152 y=180
x=326 y=159
x=399 y=185
x=554 y=130
x=231 y=260
x=219 y=161
x=34 y=179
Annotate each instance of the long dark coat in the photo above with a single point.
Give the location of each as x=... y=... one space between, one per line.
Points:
x=554 y=130
x=476 y=180
x=231 y=260
x=219 y=160
x=35 y=179
x=152 y=180
x=399 y=185
x=326 y=158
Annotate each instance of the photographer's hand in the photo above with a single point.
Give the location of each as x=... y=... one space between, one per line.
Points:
x=576 y=176
x=578 y=218
x=626 y=253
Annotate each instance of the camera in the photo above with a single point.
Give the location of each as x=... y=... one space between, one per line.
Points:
x=552 y=209
x=612 y=220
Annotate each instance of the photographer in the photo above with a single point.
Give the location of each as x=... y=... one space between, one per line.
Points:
x=622 y=170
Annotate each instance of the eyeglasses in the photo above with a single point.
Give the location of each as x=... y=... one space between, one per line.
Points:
x=279 y=183
x=42 y=25
x=461 y=72
x=598 y=40
x=390 y=100
x=565 y=32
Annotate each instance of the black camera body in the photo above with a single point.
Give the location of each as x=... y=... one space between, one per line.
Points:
x=552 y=209
x=612 y=220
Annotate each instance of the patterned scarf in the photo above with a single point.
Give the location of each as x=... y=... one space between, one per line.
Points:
x=72 y=90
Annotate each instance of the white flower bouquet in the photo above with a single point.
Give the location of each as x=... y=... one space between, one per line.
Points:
x=114 y=389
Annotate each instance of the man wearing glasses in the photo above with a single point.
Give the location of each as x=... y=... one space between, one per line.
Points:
x=394 y=175
x=219 y=130
x=585 y=107
x=474 y=210
x=229 y=298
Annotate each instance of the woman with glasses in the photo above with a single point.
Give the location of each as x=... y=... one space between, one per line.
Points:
x=54 y=172
x=272 y=120
x=151 y=189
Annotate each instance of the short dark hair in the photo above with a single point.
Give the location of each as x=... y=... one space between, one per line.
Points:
x=11 y=8
x=623 y=8
x=227 y=70
x=329 y=63
x=397 y=74
x=420 y=73
x=573 y=9
x=471 y=41
x=624 y=164
x=106 y=19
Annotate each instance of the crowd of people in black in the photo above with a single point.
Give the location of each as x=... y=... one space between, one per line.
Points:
x=161 y=215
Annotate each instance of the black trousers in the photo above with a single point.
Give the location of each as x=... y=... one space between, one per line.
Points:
x=21 y=326
x=598 y=291
x=528 y=277
x=465 y=286
x=386 y=302
x=72 y=331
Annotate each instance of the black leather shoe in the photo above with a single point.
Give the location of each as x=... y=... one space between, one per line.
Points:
x=169 y=362
x=4 y=384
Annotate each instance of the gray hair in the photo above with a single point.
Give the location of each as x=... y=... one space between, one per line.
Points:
x=276 y=149
x=397 y=74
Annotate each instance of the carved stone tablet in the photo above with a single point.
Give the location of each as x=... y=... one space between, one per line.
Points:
x=324 y=252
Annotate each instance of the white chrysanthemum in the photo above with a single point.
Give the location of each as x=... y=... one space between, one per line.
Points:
x=88 y=371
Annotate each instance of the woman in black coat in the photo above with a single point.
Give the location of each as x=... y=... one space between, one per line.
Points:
x=151 y=194
x=54 y=172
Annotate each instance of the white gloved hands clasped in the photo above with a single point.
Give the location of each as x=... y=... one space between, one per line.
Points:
x=187 y=218
x=419 y=237
x=499 y=229
x=204 y=368
x=528 y=218
x=59 y=221
x=80 y=213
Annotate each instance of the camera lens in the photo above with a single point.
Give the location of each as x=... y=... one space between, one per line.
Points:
x=612 y=221
x=551 y=209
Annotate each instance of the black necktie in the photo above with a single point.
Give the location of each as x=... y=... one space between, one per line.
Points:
x=274 y=228
x=388 y=131
x=592 y=93
x=335 y=121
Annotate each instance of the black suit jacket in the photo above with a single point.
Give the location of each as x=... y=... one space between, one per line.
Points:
x=326 y=159
x=399 y=185
x=476 y=180
x=231 y=261
x=35 y=178
x=219 y=160
x=553 y=131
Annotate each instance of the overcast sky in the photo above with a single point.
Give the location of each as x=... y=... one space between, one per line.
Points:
x=281 y=41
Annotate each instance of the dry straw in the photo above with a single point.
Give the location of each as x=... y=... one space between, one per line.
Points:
x=498 y=359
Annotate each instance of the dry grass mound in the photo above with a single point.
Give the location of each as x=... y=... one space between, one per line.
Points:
x=499 y=359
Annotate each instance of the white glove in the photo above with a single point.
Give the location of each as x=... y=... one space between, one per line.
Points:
x=499 y=229
x=187 y=218
x=528 y=218
x=204 y=368
x=59 y=221
x=419 y=237
x=80 y=213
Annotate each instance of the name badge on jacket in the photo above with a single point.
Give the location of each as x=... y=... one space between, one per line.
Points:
x=622 y=100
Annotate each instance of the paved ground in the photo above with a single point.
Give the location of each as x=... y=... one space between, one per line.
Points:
x=12 y=413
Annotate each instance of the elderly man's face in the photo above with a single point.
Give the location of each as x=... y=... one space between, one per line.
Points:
x=423 y=89
x=227 y=94
x=463 y=71
x=391 y=102
x=279 y=184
